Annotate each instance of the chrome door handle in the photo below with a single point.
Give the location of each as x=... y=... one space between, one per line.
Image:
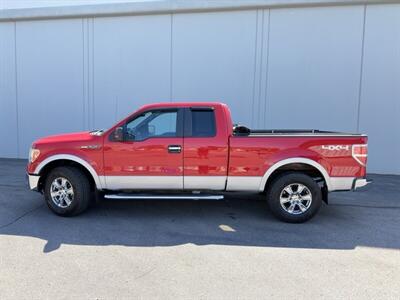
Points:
x=174 y=148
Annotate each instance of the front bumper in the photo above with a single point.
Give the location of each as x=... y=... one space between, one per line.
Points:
x=33 y=181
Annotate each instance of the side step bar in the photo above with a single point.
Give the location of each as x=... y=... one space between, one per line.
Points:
x=171 y=197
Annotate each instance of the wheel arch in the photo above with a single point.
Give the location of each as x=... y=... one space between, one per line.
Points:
x=67 y=159
x=282 y=165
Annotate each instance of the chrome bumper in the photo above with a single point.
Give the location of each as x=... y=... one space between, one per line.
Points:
x=33 y=181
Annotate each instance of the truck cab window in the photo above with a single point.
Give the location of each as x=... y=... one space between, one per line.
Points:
x=203 y=123
x=152 y=124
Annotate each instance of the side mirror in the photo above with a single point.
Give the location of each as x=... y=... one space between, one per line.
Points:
x=118 y=134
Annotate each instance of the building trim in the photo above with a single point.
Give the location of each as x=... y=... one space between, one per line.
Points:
x=166 y=7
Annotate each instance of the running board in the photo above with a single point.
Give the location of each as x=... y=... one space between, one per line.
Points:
x=171 y=197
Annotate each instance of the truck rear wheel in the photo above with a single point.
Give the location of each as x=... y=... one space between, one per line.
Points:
x=67 y=191
x=294 y=197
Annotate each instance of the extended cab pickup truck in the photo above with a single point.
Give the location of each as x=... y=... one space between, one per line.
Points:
x=193 y=151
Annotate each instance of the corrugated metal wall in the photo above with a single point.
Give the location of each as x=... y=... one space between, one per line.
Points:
x=333 y=68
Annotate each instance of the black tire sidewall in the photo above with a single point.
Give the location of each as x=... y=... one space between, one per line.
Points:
x=80 y=187
x=274 y=192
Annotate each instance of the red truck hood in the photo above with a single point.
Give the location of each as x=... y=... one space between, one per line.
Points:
x=64 y=138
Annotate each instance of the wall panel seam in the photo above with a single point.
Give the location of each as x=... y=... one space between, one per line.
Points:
x=87 y=73
x=16 y=89
x=91 y=71
x=254 y=73
x=260 y=69
x=171 y=59
x=263 y=68
x=83 y=75
x=267 y=72
x=361 y=70
x=91 y=75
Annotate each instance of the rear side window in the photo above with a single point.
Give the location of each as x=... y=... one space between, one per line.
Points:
x=203 y=123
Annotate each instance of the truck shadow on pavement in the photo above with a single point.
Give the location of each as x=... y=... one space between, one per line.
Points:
x=369 y=218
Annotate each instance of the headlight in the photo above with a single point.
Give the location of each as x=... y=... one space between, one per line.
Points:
x=33 y=154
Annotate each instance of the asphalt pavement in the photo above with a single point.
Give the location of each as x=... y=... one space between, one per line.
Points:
x=180 y=249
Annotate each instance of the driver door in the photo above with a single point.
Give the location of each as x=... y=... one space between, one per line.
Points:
x=150 y=155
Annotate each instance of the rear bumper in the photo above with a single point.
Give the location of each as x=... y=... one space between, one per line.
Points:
x=360 y=182
x=347 y=183
x=33 y=181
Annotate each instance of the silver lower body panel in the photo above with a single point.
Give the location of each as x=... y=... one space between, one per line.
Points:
x=165 y=197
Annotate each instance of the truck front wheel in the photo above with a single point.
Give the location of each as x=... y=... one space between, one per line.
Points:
x=67 y=191
x=294 y=197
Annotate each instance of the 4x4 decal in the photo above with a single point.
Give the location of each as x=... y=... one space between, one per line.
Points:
x=335 y=147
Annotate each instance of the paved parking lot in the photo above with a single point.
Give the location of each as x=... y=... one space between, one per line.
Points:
x=198 y=249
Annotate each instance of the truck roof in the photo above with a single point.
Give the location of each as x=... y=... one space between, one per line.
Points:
x=180 y=104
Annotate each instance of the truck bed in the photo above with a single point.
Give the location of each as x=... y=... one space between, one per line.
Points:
x=293 y=132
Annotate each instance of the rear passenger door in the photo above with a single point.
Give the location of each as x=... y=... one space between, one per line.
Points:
x=205 y=151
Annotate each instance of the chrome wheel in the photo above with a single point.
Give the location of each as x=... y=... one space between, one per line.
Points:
x=295 y=198
x=61 y=192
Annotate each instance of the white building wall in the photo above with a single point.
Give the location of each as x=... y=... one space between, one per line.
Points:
x=213 y=59
x=332 y=68
x=131 y=65
x=8 y=89
x=49 y=79
x=380 y=87
x=314 y=68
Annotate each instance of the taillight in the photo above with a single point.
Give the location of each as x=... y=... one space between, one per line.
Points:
x=360 y=154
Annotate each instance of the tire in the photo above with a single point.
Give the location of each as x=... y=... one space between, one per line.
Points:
x=97 y=198
x=295 y=207
x=67 y=203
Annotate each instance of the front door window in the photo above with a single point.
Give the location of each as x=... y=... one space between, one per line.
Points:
x=152 y=124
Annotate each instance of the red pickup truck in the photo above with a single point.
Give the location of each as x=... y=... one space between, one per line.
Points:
x=193 y=151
